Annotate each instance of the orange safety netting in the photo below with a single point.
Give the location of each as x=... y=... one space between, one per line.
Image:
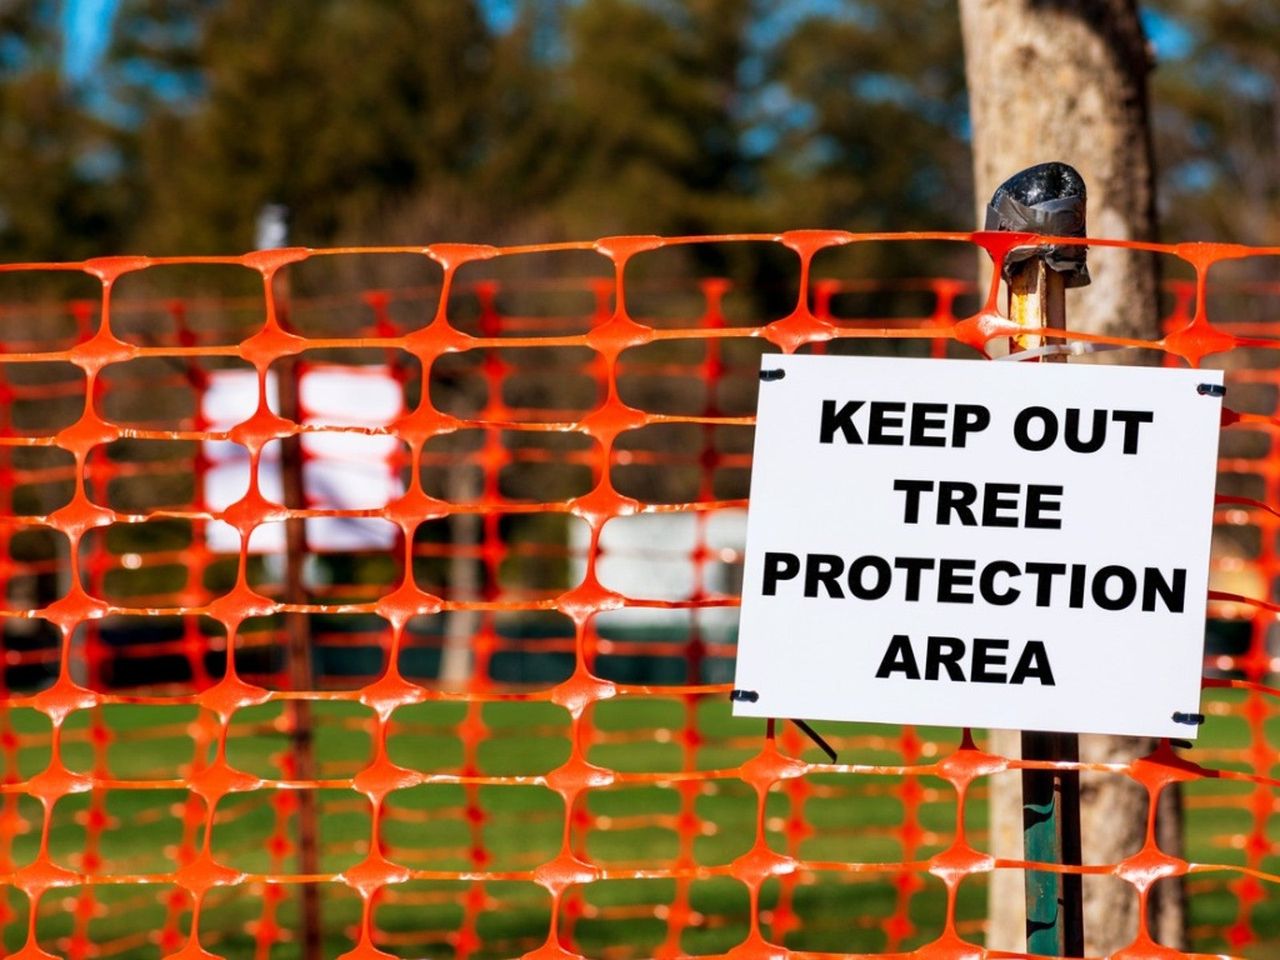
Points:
x=179 y=779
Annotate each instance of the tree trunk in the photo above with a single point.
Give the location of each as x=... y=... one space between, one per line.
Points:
x=1067 y=80
x=465 y=579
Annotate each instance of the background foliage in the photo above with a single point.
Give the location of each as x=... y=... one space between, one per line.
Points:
x=412 y=121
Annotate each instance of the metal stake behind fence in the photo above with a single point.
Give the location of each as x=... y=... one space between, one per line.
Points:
x=273 y=232
x=1046 y=199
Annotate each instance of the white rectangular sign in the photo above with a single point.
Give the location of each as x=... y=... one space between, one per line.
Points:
x=340 y=471
x=963 y=543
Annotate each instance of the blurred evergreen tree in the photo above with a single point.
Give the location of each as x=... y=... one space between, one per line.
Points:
x=654 y=100
x=388 y=121
x=1216 y=98
x=871 y=119
x=343 y=110
x=56 y=200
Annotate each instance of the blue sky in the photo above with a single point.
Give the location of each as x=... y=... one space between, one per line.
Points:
x=86 y=26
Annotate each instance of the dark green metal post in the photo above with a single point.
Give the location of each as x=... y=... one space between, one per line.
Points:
x=1051 y=834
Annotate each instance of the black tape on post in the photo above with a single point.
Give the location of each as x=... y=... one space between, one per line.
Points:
x=1047 y=199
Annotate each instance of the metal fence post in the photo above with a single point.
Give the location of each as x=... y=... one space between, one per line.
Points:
x=1047 y=199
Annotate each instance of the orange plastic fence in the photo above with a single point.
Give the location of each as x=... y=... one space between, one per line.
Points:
x=579 y=788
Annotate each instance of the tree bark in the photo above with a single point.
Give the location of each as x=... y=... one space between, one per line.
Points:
x=465 y=579
x=1067 y=80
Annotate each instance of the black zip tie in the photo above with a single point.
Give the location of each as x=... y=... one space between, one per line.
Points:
x=768 y=375
x=751 y=696
x=813 y=735
x=1190 y=719
x=1211 y=390
x=1184 y=744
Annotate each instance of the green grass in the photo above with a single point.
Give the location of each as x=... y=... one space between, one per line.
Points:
x=854 y=817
